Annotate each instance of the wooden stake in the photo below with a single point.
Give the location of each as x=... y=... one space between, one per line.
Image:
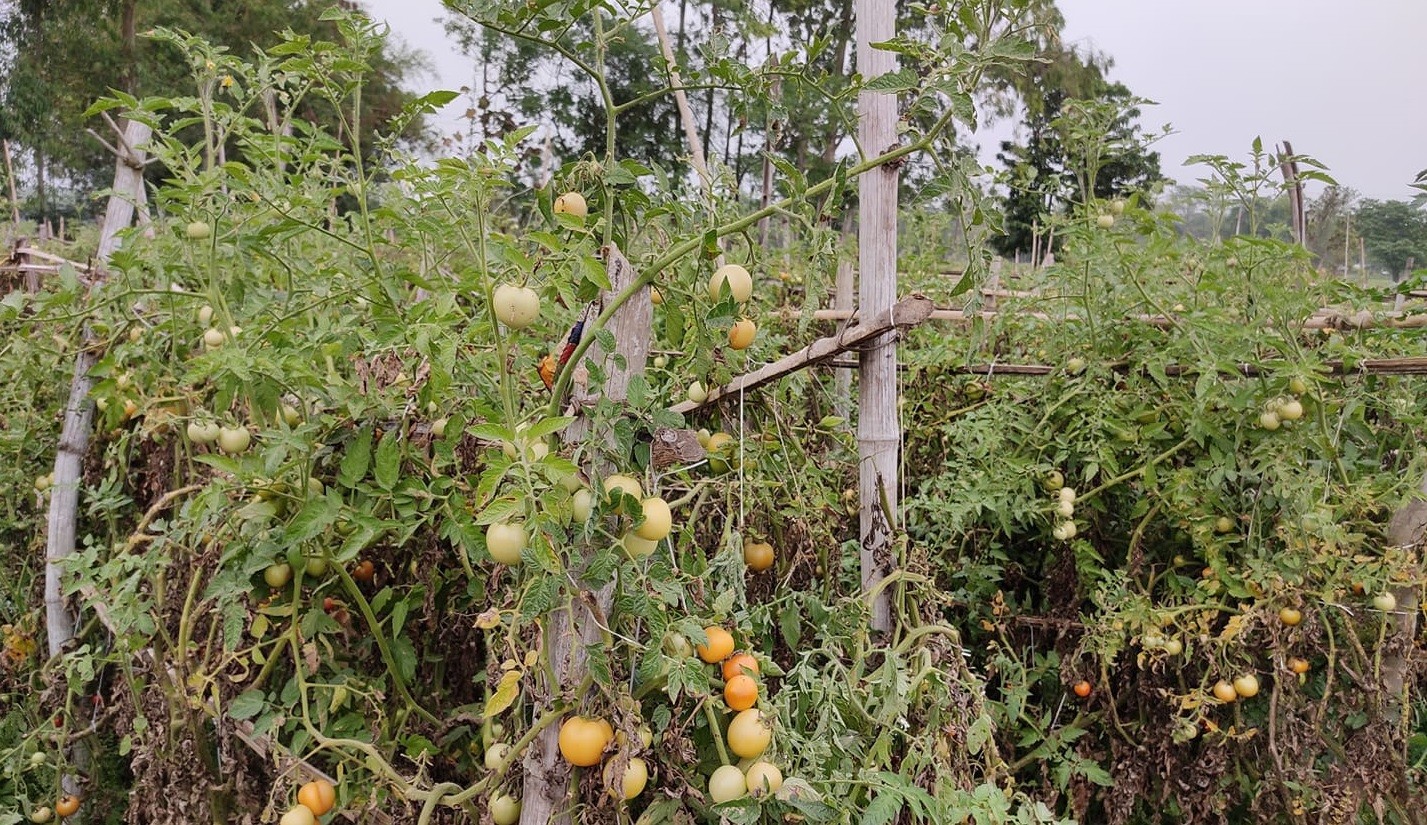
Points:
x=681 y=100
x=843 y=300
x=14 y=198
x=568 y=631
x=879 y=434
x=78 y=421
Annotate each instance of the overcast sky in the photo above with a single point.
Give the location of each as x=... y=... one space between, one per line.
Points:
x=1340 y=79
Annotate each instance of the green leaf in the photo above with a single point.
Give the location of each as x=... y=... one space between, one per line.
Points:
x=357 y=459
x=904 y=80
x=548 y=426
x=388 y=461
x=247 y=704
x=404 y=657
x=312 y=520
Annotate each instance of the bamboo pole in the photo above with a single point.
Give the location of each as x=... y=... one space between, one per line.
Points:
x=878 y=428
x=681 y=100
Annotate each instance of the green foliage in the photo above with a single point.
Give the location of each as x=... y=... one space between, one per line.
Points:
x=1194 y=523
x=328 y=589
x=1395 y=234
x=1081 y=142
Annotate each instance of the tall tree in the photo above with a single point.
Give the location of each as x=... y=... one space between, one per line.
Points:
x=1394 y=232
x=1055 y=91
x=1331 y=236
x=67 y=55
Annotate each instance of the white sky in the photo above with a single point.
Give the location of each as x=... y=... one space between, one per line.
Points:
x=1340 y=79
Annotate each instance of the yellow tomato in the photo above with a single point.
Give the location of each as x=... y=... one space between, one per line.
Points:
x=658 y=519
x=582 y=740
x=742 y=333
x=318 y=795
x=749 y=734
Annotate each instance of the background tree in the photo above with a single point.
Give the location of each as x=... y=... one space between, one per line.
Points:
x=1394 y=232
x=1042 y=177
x=67 y=55
x=1331 y=236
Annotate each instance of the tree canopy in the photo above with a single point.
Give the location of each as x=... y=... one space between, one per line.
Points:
x=68 y=55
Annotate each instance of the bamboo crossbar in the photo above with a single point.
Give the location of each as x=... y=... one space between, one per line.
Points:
x=1406 y=365
x=1323 y=318
x=906 y=313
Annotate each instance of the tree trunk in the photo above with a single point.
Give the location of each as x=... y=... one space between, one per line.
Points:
x=878 y=430
x=569 y=631
x=128 y=76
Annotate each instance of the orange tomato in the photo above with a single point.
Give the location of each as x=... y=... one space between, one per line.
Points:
x=67 y=805
x=318 y=795
x=738 y=664
x=741 y=692
x=582 y=741
x=1298 y=665
x=1082 y=688
x=758 y=555
x=365 y=571
x=719 y=645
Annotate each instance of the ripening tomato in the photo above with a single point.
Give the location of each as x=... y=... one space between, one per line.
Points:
x=1298 y=665
x=298 y=815
x=582 y=740
x=68 y=805
x=740 y=692
x=365 y=571
x=1246 y=685
x=1082 y=688
x=571 y=203
x=1290 y=616
x=763 y=778
x=318 y=795
x=658 y=520
x=749 y=734
x=740 y=283
x=1224 y=691
x=727 y=783
x=636 y=776
x=758 y=555
x=742 y=333
x=505 y=810
x=719 y=645
x=738 y=664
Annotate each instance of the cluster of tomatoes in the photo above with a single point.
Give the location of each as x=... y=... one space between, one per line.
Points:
x=750 y=732
x=65 y=806
x=313 y=800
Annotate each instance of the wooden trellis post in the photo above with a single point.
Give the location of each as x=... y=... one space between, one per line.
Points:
x=878 y=430
x=79 y=414
x=567 y=632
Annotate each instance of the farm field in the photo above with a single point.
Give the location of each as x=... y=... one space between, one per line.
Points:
x=349 y=480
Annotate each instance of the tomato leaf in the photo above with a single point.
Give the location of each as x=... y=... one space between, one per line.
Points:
x=247 y=704
x=388 y=461
x=404 y=657
x=505 y=693
x=358 y=458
